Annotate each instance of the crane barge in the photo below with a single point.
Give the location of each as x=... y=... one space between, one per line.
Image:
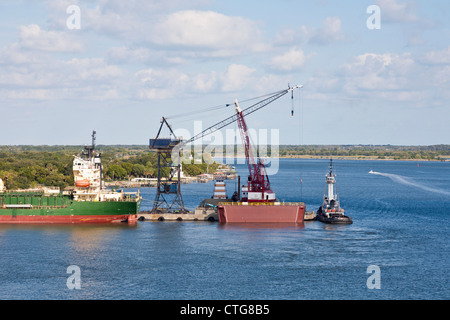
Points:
x=258 y=202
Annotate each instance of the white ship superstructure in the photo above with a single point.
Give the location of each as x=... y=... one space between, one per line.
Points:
x=87 y=173
x=330 y=200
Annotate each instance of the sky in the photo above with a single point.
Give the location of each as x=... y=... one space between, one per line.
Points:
x=120 y=66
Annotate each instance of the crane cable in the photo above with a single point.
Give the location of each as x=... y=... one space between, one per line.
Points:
x=292 y=103
x=218 y=107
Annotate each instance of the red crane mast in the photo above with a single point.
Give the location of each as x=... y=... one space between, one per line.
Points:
x=258 y=181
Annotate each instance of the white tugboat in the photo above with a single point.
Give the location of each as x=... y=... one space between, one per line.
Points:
x=331 y=211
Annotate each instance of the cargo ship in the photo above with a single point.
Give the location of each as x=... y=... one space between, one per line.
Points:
x=257 y=202
x=330 y=211
x=88 y=202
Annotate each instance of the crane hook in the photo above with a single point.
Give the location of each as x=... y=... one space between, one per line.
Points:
x=292 y=103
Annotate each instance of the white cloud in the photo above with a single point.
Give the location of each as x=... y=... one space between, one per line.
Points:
x=155 y=84
x=294 y=59
x=208 y=30
x=288 y=37
x=159 y=83
x=205 y=82
x=397 y=10
x=385 y=78
x=379 y=63
x=329 y=32
x=159 y=38
x=88 y=78
x=167 y=25
x=237 y=77
x=376 y=72
x=325 y=82
x=13 y=54
x=124 y=54
x=35 y=46
x=87 y=93
x=115 y=18
x=143 y=55
x=91 y=70
x=33 y=37
x=28 y=94
x=443 y=77
x=438 y=57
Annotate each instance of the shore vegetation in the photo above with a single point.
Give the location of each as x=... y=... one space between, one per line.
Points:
x=23 y=167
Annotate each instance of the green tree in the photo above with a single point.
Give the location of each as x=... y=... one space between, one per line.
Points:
x=128 y=167
x=138 y=170
x=116 y=171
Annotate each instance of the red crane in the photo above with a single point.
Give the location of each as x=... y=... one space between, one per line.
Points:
x=258 y=180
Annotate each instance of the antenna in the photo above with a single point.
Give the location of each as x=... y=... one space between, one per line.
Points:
x=93 y=138
x=89 y=150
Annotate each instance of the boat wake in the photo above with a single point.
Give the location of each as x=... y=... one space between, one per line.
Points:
x=410 y=182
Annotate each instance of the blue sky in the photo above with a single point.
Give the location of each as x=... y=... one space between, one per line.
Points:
x=132 y=62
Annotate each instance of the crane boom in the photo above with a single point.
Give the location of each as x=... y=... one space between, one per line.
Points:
x=258 y=181
x=247 y=111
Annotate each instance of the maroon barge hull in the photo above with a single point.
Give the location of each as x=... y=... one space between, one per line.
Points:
x=261 y=212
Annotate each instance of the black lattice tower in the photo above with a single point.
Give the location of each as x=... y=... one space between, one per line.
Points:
x=168 y=197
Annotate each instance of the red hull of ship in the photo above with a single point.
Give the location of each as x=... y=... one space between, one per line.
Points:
x=261 y=213
x=63 y=219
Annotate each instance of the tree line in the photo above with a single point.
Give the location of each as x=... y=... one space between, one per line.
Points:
x=23 y=167
x=435 y=152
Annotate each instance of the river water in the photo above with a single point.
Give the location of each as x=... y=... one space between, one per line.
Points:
x=401 y=226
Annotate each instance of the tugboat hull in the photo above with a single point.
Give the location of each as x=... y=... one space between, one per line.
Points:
x=333 y=218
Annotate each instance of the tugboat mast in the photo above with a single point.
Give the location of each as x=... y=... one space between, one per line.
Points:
x=330 y=182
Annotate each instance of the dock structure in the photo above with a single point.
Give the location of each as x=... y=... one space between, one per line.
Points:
x=206 y=211
x=198 y=215
x=309 y=216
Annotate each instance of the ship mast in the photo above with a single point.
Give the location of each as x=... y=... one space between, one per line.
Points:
x=330 y=182
x=90 y=150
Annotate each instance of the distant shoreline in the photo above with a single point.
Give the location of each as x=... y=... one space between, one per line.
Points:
x=362 y=158
x=359 y=158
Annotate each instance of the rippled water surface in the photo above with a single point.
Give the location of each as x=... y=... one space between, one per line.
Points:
x=401 y=224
